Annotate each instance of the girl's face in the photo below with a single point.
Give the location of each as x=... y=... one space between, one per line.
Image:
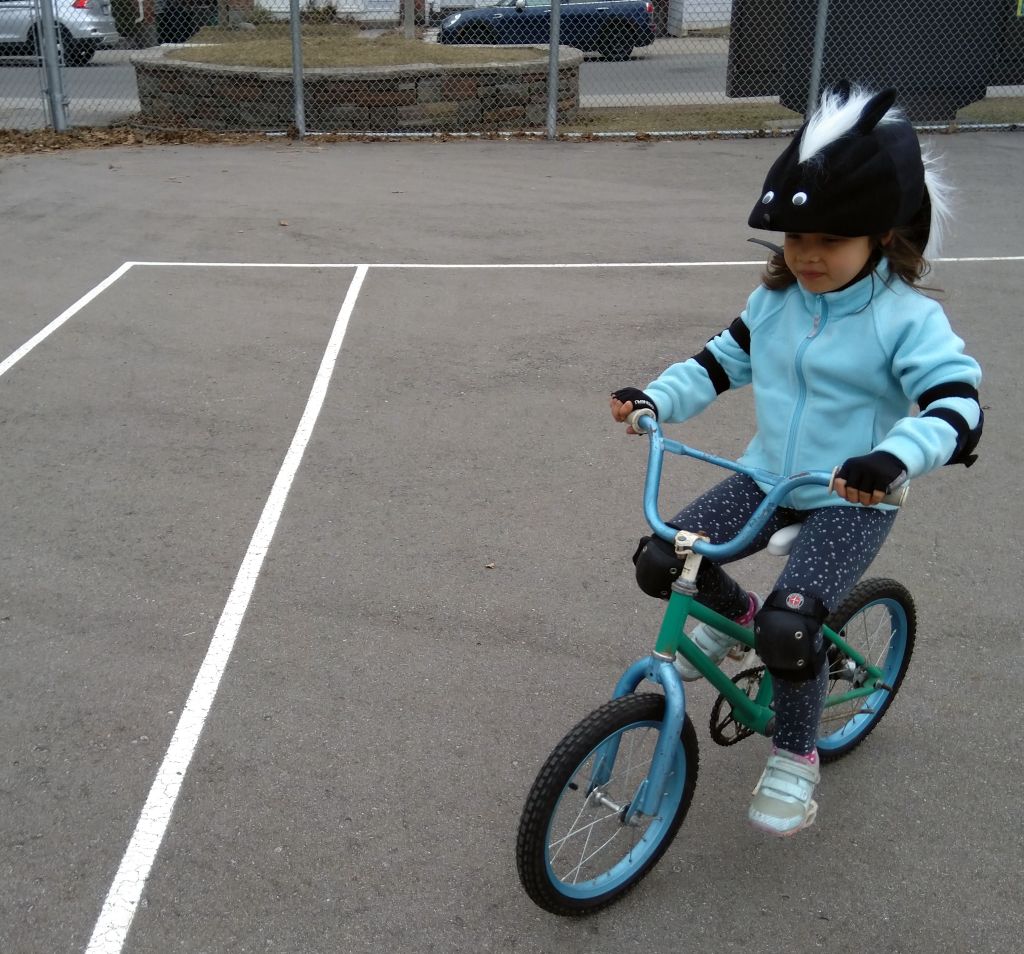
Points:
x=825 y=263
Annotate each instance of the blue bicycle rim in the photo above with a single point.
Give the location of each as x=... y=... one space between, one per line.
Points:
x=639 y=854
x=890 y=666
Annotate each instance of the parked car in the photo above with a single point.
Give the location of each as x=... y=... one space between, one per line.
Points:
x=611 y=27
x=83 y=26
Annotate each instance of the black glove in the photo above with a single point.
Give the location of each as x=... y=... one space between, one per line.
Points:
x=878 y=470
x=641 y=400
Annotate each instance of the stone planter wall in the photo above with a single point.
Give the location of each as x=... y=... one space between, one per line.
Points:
x=359 y=99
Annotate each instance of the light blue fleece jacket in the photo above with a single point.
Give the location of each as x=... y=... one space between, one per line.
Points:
x=834 y=377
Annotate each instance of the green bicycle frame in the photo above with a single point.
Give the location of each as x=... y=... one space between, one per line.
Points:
x=753 y=713
x=756 y=714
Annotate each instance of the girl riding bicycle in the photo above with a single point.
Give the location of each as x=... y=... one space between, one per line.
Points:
x=838 y=344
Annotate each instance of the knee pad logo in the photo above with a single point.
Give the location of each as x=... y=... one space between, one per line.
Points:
x=794 y=601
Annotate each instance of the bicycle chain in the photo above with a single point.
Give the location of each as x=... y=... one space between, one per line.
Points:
x=725 y=730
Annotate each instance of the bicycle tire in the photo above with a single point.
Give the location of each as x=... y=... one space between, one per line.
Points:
x=877 y=618
x=540 y=843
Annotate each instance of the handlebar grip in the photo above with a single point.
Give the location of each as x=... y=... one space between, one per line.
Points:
x=896 y=497
x=636 y=416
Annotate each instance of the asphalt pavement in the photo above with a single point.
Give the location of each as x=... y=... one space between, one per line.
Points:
x=446 y=588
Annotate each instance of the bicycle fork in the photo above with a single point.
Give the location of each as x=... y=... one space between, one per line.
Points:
x=647 y=798
x=655 y=668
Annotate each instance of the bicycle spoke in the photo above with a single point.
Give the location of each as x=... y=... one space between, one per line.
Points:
x=869 y=633
x=561 y=842
x=580 y=839
x=573 y=830
x=877 y=626
x=870 y=637
x=576 y=871
x=576 y=851
x=595 y=852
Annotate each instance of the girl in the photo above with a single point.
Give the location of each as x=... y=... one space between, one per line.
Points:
x=838 y=344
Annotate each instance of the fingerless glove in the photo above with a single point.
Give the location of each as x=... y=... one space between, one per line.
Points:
x=641 y=400
x=878 y=470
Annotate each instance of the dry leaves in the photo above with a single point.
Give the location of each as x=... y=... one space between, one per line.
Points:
x=15 y=141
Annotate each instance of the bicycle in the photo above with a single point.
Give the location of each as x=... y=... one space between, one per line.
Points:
x=612 y=795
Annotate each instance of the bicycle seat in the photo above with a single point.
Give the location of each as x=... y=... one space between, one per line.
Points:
x=781 y=541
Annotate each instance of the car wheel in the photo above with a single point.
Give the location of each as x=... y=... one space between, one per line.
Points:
x=70 y=52
x=478 y=33
x=34 y=44
x=78 y=53
x=615 y=43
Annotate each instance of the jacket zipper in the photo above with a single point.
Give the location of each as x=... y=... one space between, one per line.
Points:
x=820 y=319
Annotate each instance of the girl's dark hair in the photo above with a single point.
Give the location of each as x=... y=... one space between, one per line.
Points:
x=905 y=251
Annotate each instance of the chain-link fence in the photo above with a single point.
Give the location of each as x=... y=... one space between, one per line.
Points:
x=457 y=66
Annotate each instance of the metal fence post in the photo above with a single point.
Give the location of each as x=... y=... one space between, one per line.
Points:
x=556 y=31
x=409 y=15
x=300 y=99
x=819 y=56
x=51 y=66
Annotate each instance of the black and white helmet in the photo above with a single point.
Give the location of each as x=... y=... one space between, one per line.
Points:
x=854 y=168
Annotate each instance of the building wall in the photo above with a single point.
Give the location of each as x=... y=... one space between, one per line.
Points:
x=685 y=16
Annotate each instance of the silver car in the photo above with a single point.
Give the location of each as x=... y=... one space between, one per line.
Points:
x=83 y=26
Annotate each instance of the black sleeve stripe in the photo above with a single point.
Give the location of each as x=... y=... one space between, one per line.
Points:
x=715 y=371
x=741 y=334
x=955 y=389
x=956 y=421
x=967 y=438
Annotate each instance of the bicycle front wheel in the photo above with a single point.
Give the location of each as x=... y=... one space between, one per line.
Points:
x=576 y=852
x=879 y=621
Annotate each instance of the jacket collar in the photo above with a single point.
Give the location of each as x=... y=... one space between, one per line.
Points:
x=849 y=300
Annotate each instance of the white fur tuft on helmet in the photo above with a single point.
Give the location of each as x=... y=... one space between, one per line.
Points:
x=940 y=194
x=835 y=116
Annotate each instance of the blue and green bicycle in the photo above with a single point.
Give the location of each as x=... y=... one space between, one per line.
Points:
x=612 y=795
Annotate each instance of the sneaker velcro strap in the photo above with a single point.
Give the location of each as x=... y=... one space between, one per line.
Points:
x=787 y=778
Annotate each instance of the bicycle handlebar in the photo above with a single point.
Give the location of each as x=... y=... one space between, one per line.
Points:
x=780 y=488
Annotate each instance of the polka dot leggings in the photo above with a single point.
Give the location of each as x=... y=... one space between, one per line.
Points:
x=834 y=548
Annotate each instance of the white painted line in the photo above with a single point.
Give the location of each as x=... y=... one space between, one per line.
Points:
x=250 y=264
x=512 y=266
x=63 y=317
x=439 y=265
x=122 y=900
x=570 y=265
x=985 y=258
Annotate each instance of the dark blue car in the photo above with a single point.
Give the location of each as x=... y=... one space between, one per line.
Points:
x=611 y=27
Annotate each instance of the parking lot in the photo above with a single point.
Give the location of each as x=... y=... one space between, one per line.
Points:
x=671 y=71
x=317 y=539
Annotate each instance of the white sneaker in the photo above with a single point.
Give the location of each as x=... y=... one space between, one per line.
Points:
x=783 y=798
x=715 y=644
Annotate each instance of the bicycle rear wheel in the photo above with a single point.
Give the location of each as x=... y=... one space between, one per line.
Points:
x=575 y=854
x=877 y=619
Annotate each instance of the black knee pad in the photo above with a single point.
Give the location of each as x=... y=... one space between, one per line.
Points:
x=657 y=566
x=785 y=633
